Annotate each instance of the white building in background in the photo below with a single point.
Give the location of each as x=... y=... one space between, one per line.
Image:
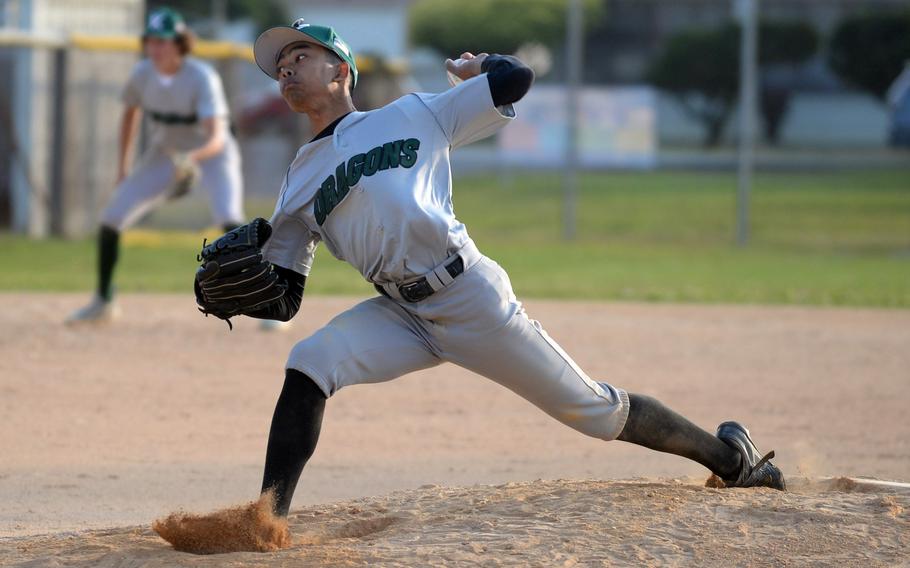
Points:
x=26 y=94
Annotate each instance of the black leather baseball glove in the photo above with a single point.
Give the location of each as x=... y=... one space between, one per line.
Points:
x=234 y=279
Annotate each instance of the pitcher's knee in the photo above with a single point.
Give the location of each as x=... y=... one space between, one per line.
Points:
x=304 y=357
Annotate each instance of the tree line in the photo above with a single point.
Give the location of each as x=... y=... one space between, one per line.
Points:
x=698 y=67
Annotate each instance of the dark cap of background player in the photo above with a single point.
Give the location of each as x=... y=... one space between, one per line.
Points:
x=165 y=23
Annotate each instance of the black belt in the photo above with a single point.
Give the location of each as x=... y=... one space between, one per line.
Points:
x=420 y=289
x=173 y=118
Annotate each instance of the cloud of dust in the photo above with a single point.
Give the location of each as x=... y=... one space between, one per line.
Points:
x=245 y=528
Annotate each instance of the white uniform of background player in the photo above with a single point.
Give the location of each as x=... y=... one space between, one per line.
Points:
x=176 y=106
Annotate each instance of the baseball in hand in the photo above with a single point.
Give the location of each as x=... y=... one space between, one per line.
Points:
x=465 y=67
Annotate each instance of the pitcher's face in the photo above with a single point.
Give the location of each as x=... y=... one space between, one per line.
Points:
x=306 y=73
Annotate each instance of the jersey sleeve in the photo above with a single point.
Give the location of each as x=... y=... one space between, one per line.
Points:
x=292 y=244
x=211 y=100
x=132 y=92
x=466 y=113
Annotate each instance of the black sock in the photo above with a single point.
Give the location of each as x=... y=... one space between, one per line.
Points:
x=108 y=248
x=293 y=436
x=653 y=425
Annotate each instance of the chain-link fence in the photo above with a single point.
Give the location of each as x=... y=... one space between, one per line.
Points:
x=60 y=115
x=63 y=66
x=54 y=121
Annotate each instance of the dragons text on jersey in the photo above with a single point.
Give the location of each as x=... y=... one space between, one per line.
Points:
x=336 y=187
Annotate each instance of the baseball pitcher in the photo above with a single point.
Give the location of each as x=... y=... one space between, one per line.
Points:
x=376 y=189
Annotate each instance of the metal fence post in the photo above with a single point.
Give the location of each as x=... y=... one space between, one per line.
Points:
x=58 y=142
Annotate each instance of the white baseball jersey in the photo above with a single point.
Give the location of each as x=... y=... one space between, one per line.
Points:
x=378 y=192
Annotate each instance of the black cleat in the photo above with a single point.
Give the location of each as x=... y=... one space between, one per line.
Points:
x=757 y=471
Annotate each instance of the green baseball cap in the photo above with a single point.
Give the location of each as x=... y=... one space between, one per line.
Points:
x=270 y=43
x=165 y=23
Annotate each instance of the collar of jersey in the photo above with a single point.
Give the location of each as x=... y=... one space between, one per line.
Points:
x=330 y=129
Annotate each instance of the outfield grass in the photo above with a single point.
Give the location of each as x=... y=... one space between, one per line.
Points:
x=830 y=239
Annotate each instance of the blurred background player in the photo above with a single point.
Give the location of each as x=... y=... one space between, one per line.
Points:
x=188 y=122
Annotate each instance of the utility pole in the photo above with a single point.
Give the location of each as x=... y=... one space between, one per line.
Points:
x=748 y=83
x=574 y=56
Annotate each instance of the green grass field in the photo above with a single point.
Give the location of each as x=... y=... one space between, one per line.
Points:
x=825 y=239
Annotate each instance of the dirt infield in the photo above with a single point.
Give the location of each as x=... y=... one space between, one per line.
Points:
x=116 y=426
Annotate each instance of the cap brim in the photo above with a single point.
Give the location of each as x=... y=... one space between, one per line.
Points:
x=269 y=44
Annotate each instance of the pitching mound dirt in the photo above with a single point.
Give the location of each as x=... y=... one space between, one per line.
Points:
x=541 y=523
x=251 y=527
